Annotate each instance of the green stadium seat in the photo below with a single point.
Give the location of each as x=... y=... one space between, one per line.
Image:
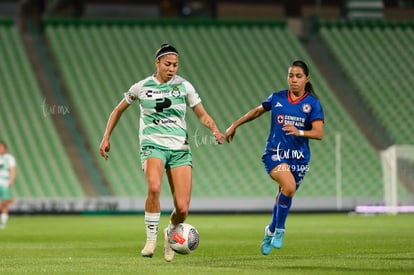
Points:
x=44 y=170
x=375 y=58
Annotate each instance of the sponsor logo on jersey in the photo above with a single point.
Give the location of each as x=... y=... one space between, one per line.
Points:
x=151 y=93
x=278 y=104
x=163 y=121
x=148 y=93
x=295 y=120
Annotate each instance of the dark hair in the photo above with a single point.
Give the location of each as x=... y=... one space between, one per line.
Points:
x=3 y=143
x=164 y=50
x=308 y=86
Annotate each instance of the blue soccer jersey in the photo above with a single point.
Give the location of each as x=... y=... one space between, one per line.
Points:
x=301 y=113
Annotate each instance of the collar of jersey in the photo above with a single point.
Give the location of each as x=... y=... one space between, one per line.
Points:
x=296 y=100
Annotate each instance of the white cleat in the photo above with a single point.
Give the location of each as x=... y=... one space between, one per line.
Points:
x=168 y=252
x=149 y=249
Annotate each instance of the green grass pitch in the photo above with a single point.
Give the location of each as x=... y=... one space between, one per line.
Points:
x=230 y=244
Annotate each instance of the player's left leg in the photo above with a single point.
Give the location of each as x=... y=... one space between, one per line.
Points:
x=180 y=180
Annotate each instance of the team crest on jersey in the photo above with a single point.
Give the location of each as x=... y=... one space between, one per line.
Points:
x=175 y=92
x=280 y=119
x=306 y=108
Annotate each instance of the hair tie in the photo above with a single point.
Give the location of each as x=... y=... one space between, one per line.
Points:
x=164 y=50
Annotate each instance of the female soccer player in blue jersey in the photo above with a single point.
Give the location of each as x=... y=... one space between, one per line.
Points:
x=297 y=116
x=163 y=100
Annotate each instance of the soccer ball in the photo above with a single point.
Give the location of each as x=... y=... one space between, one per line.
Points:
x=184 y=238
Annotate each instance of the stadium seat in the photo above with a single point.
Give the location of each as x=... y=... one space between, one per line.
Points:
x=44 y=170
x=375 y=57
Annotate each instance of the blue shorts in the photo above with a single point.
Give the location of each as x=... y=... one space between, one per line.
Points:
x=170 y=158
x=297 y=168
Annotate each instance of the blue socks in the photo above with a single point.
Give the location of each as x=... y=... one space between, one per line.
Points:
x=280 y=212
x=272 y=225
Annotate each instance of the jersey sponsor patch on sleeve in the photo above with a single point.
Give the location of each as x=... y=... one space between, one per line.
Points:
x=130 y=97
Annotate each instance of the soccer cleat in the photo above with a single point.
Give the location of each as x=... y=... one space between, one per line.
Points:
x=149 y=248
x=266 y=244
x=168 y=252
x=277 y=240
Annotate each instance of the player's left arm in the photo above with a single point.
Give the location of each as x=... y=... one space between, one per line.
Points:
x=316 y=132
x=208 y=121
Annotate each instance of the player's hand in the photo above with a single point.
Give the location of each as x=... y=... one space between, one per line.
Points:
x=104 y=148
x=230 y=132
x=290 y=129
x=219 y=137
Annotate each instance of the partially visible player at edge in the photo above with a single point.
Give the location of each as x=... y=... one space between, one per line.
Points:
x=297 y=116
x=7 y=177
x=163 y=136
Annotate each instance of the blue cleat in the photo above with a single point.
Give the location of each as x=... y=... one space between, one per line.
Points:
x=267 y=242
x=277 y=240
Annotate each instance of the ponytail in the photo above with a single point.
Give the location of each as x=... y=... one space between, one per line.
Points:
x=309 y=89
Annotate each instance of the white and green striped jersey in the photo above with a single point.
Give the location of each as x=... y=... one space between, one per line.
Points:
x=7 y=161
x=162 y=111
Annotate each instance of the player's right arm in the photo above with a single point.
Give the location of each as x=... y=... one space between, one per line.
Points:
x=112 y=122
x=12 y=175
x=251 y=115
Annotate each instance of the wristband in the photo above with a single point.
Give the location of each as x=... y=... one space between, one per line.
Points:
x=301 y=133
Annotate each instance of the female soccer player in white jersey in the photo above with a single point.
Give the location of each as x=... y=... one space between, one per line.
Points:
x=297 y=116
x=163 y=99
x=7 y=177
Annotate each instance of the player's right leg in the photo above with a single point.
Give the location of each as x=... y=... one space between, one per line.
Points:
x=287 y=188
x=151 y=227
x=5 y=201
x=153 y=169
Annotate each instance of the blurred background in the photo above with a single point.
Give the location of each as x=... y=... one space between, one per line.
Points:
x=64 y=65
